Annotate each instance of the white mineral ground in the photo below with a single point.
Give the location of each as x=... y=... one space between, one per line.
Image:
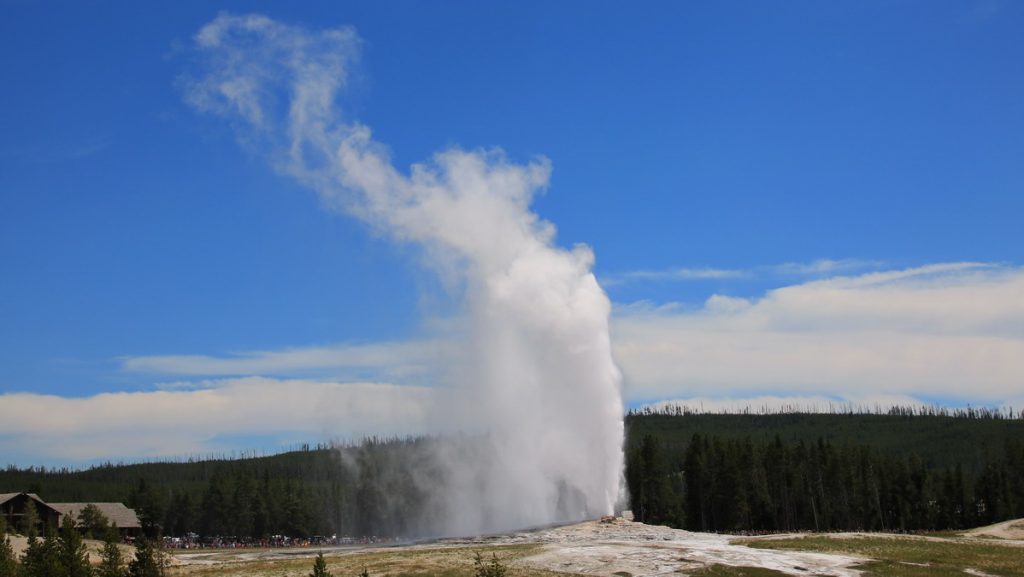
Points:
x=595 y=548
x=1011 y=530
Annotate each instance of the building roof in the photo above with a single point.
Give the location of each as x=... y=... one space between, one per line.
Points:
x=116 y=513
x=5 y=497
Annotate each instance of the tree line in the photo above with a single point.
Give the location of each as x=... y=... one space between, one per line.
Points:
x=941 y=438
x=904 y=469
x=729 y=484
x=373 y=489
x=835 y=408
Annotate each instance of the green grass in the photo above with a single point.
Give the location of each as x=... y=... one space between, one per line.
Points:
x=911 y=557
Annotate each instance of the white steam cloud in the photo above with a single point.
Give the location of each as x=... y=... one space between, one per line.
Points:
x=537 y=377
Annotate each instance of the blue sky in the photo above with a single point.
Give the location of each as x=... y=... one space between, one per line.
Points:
x=761 y=157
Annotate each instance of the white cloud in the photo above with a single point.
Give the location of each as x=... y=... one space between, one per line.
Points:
x=167 y=423
x=385 y=360
x=949 y=331
x=822 y=266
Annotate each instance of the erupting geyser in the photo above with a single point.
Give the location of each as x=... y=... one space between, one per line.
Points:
x=538 y=380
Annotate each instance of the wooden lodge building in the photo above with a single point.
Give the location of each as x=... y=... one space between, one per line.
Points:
x=13 y=505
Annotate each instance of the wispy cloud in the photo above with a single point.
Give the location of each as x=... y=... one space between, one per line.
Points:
x=952 y=331
x=672 y=274
x=386 y=360
x=816 y=268
x=824 y=266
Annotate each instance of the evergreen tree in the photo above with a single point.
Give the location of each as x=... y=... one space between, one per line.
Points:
x=296 y=513
x=694 y=495
x=635 y=481
x=320 y=567
x=42 y=558
x=32 y=557
x=74 y=558
x=30 y=520
x=492 y=568
x=242 y=506
x=148 y=561
x=1014 y=456
x=260 y=517
x=180 y=518
x=761 y=505
x=92 y=521
x=658 y=503
x=144 y=500
x=216 y=510
x=8 y=561
x=369 y=502
x=111 y=559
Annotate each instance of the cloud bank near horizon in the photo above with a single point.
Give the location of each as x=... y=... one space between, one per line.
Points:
x=949 y=333
x=208 y=417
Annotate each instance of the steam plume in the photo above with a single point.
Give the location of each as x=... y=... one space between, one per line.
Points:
x=538 y=378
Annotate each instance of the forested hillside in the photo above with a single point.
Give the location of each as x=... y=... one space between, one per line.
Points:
x=939 y=437
x=906 y=470
x=364 y=490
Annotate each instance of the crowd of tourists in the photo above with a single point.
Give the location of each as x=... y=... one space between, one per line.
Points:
x=194 y=541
